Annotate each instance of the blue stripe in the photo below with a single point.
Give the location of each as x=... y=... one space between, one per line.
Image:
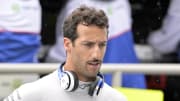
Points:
x=19 y=47
x=120 y=49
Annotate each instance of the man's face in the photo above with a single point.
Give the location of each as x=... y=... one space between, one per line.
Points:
x=88 y=50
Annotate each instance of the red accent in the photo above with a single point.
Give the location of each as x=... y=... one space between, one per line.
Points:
x=156 y=81
x=19 y=32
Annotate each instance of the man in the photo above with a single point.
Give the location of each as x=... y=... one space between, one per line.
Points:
x=120 y=47
x=79 y=78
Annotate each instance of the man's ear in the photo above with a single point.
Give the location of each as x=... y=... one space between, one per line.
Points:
x=67 y=44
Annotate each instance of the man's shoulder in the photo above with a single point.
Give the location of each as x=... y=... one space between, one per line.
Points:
x=113 y=94
x=35 y=91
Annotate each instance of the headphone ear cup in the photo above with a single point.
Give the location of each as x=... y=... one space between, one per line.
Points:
x=64 y=80
x=95 y=87
x=73 y=81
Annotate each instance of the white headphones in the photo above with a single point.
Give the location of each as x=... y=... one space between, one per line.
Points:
x=69 y=81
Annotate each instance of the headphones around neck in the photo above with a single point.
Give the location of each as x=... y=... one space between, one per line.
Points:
x=69 y=81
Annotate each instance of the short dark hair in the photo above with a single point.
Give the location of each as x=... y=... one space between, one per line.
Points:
x=85 y=15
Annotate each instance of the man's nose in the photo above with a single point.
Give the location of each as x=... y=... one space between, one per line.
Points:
x=96 y=52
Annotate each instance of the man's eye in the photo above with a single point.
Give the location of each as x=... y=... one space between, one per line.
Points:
x=102 y=44
x=88 y=44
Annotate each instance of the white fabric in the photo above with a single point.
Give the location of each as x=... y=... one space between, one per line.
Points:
x=118 y=12
x=167 y=39
x=20 y=16
x=48 y=89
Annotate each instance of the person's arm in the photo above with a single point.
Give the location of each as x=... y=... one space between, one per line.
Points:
x=167 y=38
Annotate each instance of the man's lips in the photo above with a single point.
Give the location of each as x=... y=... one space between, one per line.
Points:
x=95 y=64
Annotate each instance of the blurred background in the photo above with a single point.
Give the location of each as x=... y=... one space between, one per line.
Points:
x=147 y=17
